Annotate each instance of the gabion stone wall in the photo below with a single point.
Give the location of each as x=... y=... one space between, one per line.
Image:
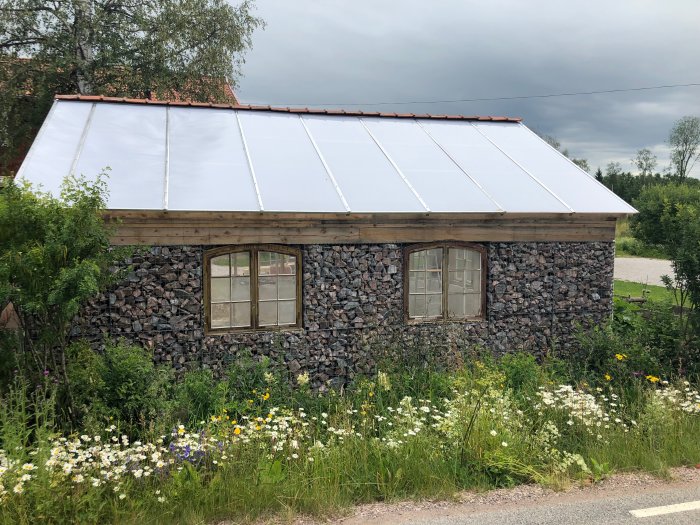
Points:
x=538 y=295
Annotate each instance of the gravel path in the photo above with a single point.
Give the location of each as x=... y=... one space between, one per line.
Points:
x=641 y=270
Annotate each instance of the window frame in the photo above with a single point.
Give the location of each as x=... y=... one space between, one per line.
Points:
x=253 y=250
x=445 y=245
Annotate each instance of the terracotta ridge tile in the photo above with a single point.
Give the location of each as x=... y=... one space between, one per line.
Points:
x=300 y=111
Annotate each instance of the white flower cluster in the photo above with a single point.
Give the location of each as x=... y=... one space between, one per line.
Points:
x=583 y=407
x=683 y=399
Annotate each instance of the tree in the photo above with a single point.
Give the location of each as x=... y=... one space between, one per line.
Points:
x=188 y=49
x=54 y=254
x=685 y=145
x=599 y=175
x=645 y=162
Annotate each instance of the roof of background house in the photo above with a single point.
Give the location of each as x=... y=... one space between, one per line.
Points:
x=182 y=156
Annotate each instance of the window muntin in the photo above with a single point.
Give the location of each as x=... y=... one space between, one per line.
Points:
x=445 y=282
x=252 y=287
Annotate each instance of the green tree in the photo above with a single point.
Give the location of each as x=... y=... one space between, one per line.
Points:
x=657 y=205
x=685 y=145
x=54 y=255
x=645 y=162
x=190 y=49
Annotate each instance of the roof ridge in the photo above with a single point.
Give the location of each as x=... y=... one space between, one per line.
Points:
x=311 y=111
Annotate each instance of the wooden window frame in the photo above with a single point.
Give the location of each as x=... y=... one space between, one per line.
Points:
x=445 y=245
x=253 y=250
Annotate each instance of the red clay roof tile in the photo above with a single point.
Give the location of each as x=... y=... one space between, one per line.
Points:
x=311 y=111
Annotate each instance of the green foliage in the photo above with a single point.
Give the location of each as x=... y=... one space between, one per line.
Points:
x=198 y=396
x=658 y=206
x=684 y=140
x=119 y=385
x=54 y=255
x=187 y=49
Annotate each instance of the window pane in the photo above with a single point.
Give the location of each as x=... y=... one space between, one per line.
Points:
x=456 y=305
x=457 y=281
x=433 y=305
x=464 y=259
x=287 y=312
x=289 y=265
x=434 y=282
x=220 y=315
x=220 y=289
x=287 y=287
x=433 y=259
x=417 y=260
x=416 y=282
x=473 y=305
x=416 y=305
x=219 y=266
x=267 y=288
x=268 y=313
x=267 y=263
x=241 y=314
x=240 y=288
x=241 y=263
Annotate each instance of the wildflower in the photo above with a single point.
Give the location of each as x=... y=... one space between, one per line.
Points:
x=608 y=377
x=383 y=381
x=161 y=499
x=504 y=444
x=266 y=396
x=269 y=377
x=122 y=496
x=237 y=431
x=18 y=489
x=652 y=379
x=181 y=429
x=493 y=432
x=620 y=357
x=303 y=379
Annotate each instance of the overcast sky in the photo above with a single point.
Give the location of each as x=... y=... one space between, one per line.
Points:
x=336 y=53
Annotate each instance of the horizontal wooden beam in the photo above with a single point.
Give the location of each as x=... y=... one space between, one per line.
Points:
x=163 y=228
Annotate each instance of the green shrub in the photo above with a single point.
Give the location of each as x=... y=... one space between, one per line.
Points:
x=199 y=396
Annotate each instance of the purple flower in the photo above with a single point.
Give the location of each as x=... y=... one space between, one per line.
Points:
x=46 y=373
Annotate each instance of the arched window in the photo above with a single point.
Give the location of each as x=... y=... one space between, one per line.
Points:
x=446 y=281
x=252 y=287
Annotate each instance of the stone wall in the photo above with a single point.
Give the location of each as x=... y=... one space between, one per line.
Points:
x=538 y=293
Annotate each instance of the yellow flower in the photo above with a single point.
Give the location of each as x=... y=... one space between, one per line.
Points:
x=608 y=377
x=181 y=429
x=236 y=430
x=371 y=394
x=266 y=396
x=620 y=357
x=652 y=379
x=257 y=427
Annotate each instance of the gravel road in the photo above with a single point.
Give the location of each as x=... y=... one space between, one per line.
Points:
x=641 y=270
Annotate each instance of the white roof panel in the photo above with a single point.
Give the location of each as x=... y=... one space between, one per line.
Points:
x=168 y=157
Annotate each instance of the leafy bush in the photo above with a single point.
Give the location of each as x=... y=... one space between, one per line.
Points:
x=198 y=396
x=121 y=385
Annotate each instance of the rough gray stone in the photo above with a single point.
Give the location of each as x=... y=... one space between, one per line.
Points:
x=352 y=297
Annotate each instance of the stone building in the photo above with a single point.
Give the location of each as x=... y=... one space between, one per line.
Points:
x=322 y=238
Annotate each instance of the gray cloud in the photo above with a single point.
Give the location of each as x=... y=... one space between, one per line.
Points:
x=339 y=52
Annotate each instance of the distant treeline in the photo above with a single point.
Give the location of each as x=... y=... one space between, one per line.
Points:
x=628 y=186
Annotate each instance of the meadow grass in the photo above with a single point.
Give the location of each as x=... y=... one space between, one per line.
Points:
x=488 y=424
x=648 y=291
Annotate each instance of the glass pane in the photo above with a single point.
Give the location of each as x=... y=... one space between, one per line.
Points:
x=240 y=288
x=268 y=313
x=416 y=282
x=241 y=314
x=416 y=305
x=219 y=266
x=220 y=315
x=433 y=305
x=456 y=284
x=417 y=260
x=287 y=312
x=241 y=263
x=287 y=287
x=473 y=305
x=434 y=282
x=433 y=259
x=268 y=263
x=267 y=288
x=220 y=289
x=288 y=265
x=456 y=305
x=463 y=259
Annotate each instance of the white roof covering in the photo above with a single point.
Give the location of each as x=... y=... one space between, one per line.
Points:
x=166 y=157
